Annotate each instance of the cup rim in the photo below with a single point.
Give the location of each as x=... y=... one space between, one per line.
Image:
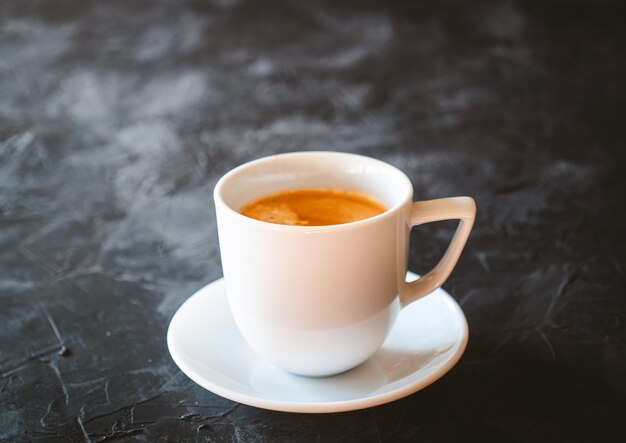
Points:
x=218 y=198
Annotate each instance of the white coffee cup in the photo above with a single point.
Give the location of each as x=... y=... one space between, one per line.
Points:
x=319 y=300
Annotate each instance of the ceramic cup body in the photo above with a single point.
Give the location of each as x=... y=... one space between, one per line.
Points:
x=315 y=300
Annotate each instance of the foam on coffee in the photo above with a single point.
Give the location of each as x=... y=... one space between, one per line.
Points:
x=313 y=207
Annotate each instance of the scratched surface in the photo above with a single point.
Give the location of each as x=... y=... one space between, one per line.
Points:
x=117 y=118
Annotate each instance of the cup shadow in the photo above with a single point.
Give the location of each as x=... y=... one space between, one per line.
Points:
x=377 y=375
x=398 y=364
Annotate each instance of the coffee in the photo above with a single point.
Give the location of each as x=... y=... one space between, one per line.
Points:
x=313 y=207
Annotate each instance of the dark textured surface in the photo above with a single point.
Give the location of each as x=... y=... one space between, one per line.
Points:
x=117 y=118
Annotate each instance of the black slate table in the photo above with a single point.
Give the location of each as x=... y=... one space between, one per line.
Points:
x=117 y=118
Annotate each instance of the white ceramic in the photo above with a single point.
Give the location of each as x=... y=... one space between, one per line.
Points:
x=426 y=341
x=319 y=300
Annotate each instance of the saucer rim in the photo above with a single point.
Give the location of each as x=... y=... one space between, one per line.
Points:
x=318 y=407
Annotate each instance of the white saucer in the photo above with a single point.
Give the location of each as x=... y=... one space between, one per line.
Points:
x=426 y=342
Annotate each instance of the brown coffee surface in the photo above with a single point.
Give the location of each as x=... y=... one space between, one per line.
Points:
x=313 y=207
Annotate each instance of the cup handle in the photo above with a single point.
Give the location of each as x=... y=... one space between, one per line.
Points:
x=462 y=208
